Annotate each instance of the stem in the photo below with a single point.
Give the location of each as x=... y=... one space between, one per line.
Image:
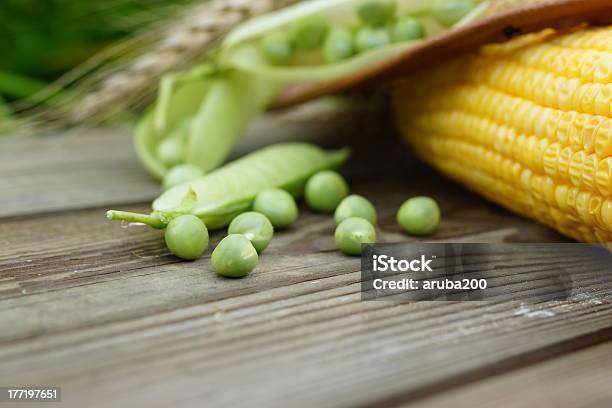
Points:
x=154 y=220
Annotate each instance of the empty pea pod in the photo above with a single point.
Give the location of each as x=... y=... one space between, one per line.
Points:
x=224 y=193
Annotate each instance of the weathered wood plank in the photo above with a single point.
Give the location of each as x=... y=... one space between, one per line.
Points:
x=106 y=313
x=304 y=344
x=75 y=248
x=576 y=380
x=97 y=167
x=109 y=315
x=70 y=172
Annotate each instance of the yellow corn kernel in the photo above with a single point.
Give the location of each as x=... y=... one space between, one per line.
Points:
x=604 y=177
x=606 y=214
x=603 y=140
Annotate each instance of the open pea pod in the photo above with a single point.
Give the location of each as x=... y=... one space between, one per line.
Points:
x=145 y=142
x=315 y=42
x=224 y=193
x=492 y=21
x=178 y=103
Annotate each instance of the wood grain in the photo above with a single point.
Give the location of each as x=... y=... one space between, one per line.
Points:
x=107 y=314
x=560 y=383
x=88 y=168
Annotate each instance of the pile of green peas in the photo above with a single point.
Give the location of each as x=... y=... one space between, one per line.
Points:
x=356 y=217
x=250 y=233
x=267 y=209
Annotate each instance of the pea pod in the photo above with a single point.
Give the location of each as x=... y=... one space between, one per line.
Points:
x=223 y=194
x=178 y=103
x=233 y=100
x=180 y=94
x=309 y=42
x=145 y=144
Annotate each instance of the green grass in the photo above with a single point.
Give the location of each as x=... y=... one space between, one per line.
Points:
x=41 y=40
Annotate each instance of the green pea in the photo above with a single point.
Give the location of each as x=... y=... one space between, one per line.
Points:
x=277 y=48
x=180 y=174
x=234 y=257
x=352 y=233
x=449 y=12
x=371 y=38
x=376 y=12
x=255 y=227
x=408 y=29
x=355 y=206
x=278 y=206
x=310 y=33
x=325 y=190
x=187 y=237
x=338 y=45
x=171 y=151
x=419 y=216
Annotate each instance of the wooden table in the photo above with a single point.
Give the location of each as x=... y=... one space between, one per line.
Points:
x=108 y=315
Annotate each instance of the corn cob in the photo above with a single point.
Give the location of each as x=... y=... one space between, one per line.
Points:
x=528 y=124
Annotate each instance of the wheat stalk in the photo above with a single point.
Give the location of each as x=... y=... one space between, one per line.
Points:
x=127 y=75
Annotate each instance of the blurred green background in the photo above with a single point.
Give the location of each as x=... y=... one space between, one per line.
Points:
x=42 y=39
